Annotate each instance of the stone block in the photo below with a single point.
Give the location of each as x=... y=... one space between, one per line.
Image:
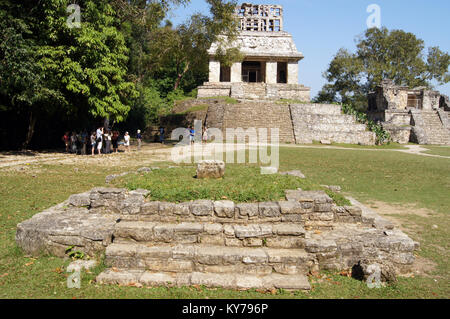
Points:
x=213 y=229
x=167 y=209
x=182 y=209
x=288 y=230
x=189 y=228
x=224 y=209
x=253 y=242
x=247 y=231
x=315 y=246
x=290 y=207
x=163 y=233
x=210 y=169
x=249 y=210
x=150 y=208
x=233 y=242
x=285 y=242
x=212 y=239
x=269 y=209
x=202 y=208
x=80 y=200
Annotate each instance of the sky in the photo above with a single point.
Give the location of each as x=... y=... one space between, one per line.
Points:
x=321 y=27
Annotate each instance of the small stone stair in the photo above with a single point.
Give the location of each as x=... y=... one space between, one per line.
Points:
x=267 y=245
x=435 y=132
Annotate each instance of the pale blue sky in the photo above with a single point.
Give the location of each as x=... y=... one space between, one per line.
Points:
x=321 y=27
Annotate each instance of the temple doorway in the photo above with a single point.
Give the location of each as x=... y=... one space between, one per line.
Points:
x=252 y=72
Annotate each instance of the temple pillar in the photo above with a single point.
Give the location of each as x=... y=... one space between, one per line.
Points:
x=292 y=72
x=214 y=71
x=271 y=72
x=236 y=72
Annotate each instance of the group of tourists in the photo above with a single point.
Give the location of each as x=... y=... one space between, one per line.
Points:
x=192 y=134
x=102 y=141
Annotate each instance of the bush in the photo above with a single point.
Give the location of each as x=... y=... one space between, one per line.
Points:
x=382 y=136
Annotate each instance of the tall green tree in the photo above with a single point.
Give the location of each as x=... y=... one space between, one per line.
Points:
x=383 y=54
x=48 y=65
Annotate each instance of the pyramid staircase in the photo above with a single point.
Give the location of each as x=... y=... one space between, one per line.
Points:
x=434 y=129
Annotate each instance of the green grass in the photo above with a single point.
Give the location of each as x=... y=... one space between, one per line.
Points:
x=391 y=177
x=390 y=146
x=226 y=99
x=292 y=101
x=195 y=108
x=240 y=184
x=438 y=150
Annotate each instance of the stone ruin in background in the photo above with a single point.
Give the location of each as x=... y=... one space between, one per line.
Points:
x=416 y=115
x=270 y=66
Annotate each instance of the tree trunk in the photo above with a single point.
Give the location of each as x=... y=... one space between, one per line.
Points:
x=180 y=76
x=30 y=132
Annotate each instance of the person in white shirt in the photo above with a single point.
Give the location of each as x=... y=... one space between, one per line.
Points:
x=99 y=139
x=126 y=139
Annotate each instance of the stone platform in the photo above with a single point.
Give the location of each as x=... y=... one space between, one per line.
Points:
x=216 y=243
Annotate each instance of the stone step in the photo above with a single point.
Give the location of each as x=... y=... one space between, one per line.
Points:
x=362 y=137
x=285 y=235
x=329 y=118
x=133 y=277
x=209 y=259
x=329 y=109
x=344 y=128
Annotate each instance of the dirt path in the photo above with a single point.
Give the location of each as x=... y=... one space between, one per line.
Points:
x=151 y=153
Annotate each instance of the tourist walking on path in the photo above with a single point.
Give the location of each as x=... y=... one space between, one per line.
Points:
x=115 y=140
x=191 y=135
x=205 y=134
x=126 y=139
x=139 y=139
x=84 y=142
x=73 y=142
x=108 y=142
x=99 y=139
x=93 y=142
x=66 y=140
x=161 y=135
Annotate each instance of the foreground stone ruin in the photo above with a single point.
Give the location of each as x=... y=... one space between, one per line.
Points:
x=217 y=243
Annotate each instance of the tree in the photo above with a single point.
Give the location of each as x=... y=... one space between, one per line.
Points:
x=47 y=65
x=382 y=54
x=186 y=47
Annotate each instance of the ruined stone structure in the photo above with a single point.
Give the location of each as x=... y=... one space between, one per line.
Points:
x=270 y=66
x=418 y=115
x=263 y=245
x=297 y=123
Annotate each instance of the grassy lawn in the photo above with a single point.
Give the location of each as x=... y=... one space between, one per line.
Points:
x=241 y=183
x=438 y=150
x=390 y=146
x=390 y=177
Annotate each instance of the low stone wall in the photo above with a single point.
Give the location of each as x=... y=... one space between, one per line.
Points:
x=326 y=122
x=261 y=91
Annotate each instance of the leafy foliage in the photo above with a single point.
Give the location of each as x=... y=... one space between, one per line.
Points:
x=382 y=54
x=382 y=136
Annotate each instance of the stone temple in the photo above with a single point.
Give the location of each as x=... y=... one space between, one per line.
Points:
x=416 y=115
x=269 y=69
